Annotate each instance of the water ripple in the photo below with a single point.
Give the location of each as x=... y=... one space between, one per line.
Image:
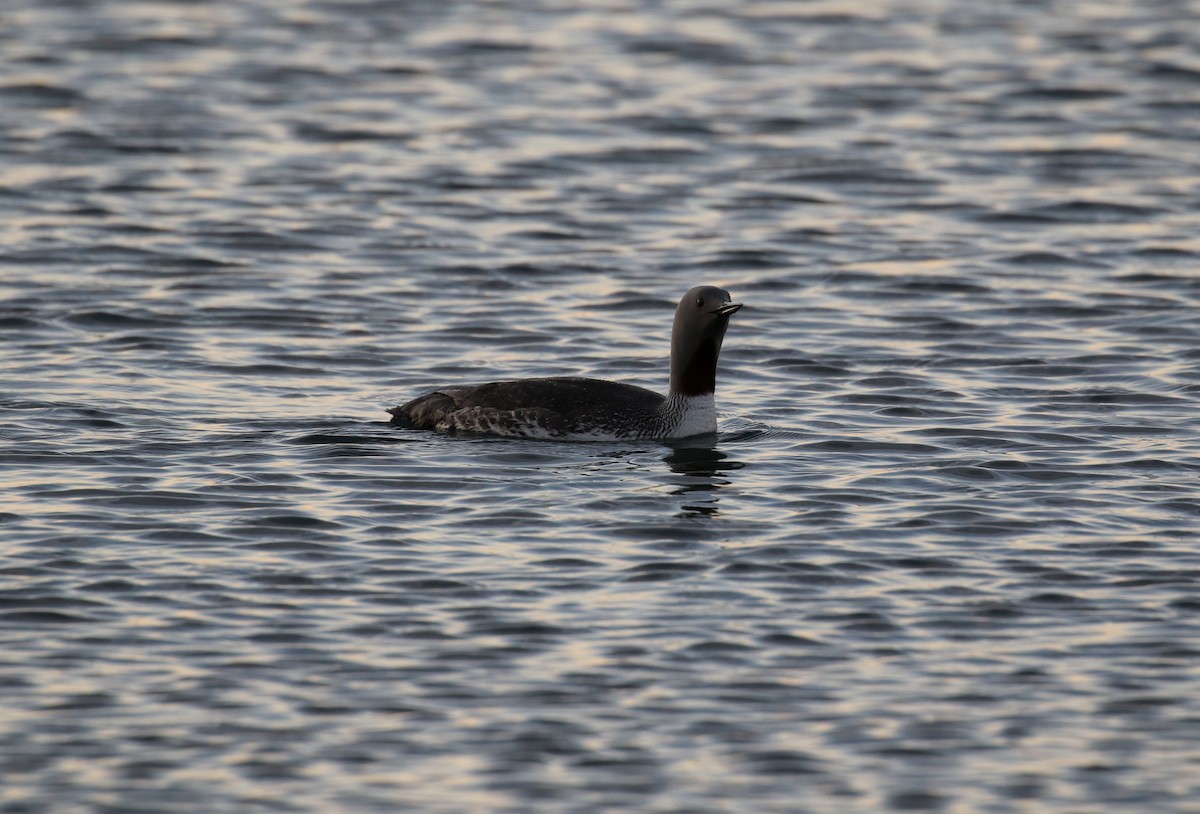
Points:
x=940 y=556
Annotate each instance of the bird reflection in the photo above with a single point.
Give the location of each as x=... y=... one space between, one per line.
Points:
x=704 y=469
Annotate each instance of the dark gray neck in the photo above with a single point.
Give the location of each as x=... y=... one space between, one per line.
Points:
x=694 y=352
x=694 y=368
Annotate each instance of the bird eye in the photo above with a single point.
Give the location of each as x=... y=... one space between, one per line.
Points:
x=699 y=302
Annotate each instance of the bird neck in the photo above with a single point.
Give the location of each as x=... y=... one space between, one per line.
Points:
x=684 y=416
x=694 y=368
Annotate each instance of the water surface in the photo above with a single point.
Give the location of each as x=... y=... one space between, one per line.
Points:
x=942 y=556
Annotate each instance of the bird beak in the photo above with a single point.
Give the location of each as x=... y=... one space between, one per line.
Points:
x=728 y=309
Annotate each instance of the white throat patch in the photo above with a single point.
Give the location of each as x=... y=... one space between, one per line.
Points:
x=697 y=415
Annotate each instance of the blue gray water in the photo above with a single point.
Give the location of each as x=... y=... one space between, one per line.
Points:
x=942 y=557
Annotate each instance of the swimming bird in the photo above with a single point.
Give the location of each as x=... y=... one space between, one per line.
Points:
x=575 y=408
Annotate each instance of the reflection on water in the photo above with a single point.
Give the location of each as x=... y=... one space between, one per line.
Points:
x=704 y=469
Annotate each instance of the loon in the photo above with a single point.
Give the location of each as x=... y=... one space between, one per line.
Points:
x=575 y=408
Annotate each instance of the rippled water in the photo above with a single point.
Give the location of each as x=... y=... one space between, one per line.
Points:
x=943 y=556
